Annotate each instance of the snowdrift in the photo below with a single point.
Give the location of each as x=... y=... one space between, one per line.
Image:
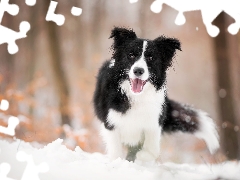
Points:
x=19 y=160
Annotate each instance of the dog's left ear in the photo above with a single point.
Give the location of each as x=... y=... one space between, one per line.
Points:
x=121 y=36
x=167 y=47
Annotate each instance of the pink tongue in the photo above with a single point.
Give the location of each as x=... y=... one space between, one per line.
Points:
x=137 y=85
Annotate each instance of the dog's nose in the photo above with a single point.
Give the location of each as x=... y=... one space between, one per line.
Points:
x=138 y=71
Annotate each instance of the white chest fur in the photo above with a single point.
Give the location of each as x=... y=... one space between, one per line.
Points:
x=143 y=115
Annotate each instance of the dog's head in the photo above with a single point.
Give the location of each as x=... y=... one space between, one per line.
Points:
x=144 y=61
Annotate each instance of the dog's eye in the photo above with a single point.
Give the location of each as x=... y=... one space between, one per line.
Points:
x=131 y=55
x=149 y=58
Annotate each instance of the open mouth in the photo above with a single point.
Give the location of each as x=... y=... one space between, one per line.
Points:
x=137 y=85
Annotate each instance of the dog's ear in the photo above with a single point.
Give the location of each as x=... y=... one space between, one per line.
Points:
x=167 y=47
x=122 y=35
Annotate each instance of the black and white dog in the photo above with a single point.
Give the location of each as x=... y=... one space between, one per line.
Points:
x=131 y=99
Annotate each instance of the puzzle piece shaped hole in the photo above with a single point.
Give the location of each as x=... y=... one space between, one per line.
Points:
x=4 y=105
x=30 y=2
x=209 y=10
x=4 y=170
x=12 y=9
x=12 y=124
x=51 y=16
x=32 y=170
x=9 y=36
x=76 y=11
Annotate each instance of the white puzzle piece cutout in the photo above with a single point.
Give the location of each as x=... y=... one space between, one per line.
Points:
x=209 y=9
x=232 y=8
x=4 y=105
x=31 y=171
x=8 y=35
x=133 y=1
x=12 y=124
x=12 y=9
x=76 y=11
x=59 y=19
x=4 y=170
x=30 y=2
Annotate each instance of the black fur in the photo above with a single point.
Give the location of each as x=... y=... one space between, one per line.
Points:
x=108 y=94
x=180 y=117
x=159 y=54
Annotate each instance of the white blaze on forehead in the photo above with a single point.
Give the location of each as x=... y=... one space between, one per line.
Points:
x=141 y=63
x=144 y=47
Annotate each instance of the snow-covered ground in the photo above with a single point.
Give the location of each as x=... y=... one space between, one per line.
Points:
x=56 y=162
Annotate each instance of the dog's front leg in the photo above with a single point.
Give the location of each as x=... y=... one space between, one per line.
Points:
x=151 y=146
x=113 y=143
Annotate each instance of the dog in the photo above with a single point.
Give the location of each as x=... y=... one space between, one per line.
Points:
x=131 y=101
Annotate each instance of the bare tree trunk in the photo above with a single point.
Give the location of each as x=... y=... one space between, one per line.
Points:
x=97 y=26
x=80 y=36
x=6 y=70
x=32 y=36
x=226 y=103
x=7 y=61
x=56 y=62
x=237 y=87
x=143 y=16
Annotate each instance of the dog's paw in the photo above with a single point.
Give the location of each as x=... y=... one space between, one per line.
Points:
x=144 y=155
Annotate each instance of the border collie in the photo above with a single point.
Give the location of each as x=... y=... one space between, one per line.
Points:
x=131 y=99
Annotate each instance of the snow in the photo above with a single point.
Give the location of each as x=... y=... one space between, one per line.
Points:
x=67 y=164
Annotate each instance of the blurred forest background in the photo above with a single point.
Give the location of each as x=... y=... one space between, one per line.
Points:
x=50 y=82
